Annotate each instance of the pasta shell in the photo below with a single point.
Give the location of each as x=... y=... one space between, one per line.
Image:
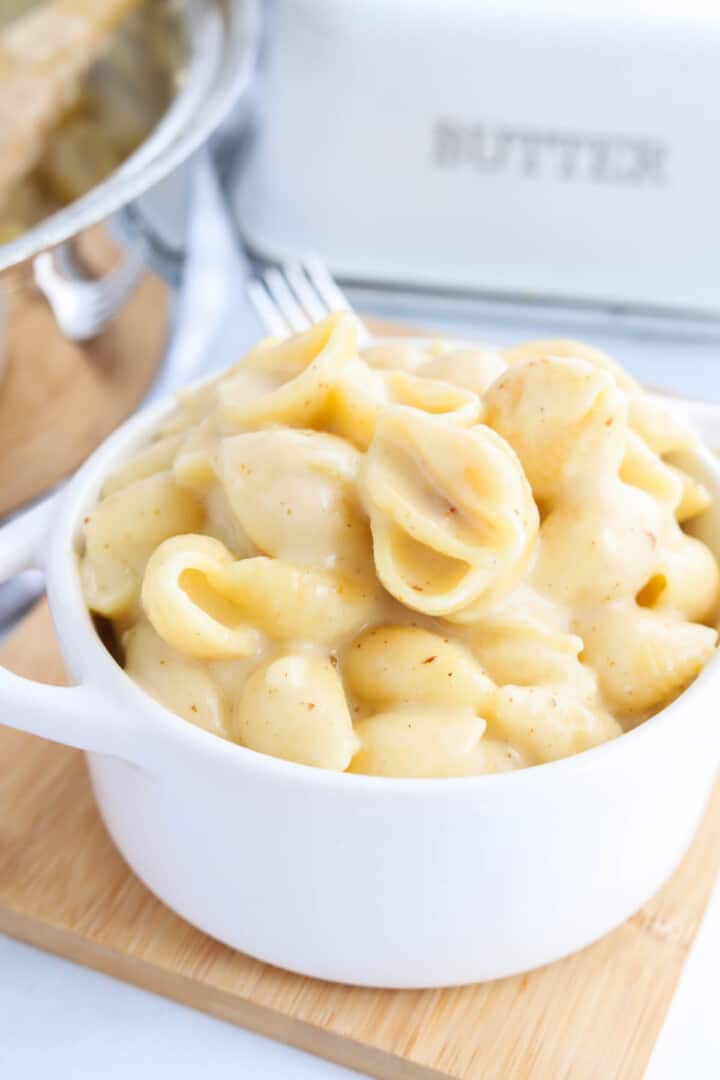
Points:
x=361 y=395
x=122 y=532
x=532 y=656
x=293 y=602
x=455 y=404
x=290 y=382
x=653 y=421
x=567 y=348
x=295 y=708
x=643 y=658
x=645 y=469
x=522 y=607
x=430 y=742
x=475 y=368
x=599 y=549
x=451 y=512
x=686 y=580
x=293 y=493
x=186 y=605
x=180 y=684
x=694 y=497
x=222 y=524
x=565 y=419
x=550 y=723
x=195 y=460
x=393 y=664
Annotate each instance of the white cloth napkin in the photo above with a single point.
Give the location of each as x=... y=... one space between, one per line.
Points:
x=213 y=287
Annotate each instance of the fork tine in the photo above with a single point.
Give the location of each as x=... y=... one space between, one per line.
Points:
x=266 y=310
x=291 y=300
x=327 y=288
x=331 y=293
x=280 y=292
x=305 y=292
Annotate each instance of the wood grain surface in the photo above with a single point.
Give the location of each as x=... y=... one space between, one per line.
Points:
x=63 y=887
x=59 y=400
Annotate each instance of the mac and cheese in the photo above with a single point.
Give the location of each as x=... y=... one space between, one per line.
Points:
x=409 y=560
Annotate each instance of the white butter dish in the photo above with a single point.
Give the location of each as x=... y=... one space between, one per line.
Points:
x=562 y=154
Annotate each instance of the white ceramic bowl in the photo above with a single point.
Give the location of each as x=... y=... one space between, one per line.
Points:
x=374 y=881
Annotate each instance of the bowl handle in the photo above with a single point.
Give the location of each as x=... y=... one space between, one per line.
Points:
x=22 y=538
x=79 y=716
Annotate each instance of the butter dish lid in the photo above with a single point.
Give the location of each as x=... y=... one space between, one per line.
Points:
x=492 y=149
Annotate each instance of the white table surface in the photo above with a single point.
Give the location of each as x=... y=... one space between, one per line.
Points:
x=59 y=1021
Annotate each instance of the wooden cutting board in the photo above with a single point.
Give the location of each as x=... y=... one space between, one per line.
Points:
x=63 y=887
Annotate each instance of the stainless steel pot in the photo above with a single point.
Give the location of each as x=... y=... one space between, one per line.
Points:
x=219 y=40
x=216 y=43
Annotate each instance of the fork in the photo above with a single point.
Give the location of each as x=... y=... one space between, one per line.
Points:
x=289 y=300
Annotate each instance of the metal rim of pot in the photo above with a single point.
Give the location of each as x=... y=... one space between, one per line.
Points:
x=222 y=42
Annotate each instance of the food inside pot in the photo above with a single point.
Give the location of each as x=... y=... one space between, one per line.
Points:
x=82 y=85
x=412 y=559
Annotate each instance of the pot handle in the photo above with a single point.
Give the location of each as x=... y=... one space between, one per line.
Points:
x=79 y=716
x=84 y=306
